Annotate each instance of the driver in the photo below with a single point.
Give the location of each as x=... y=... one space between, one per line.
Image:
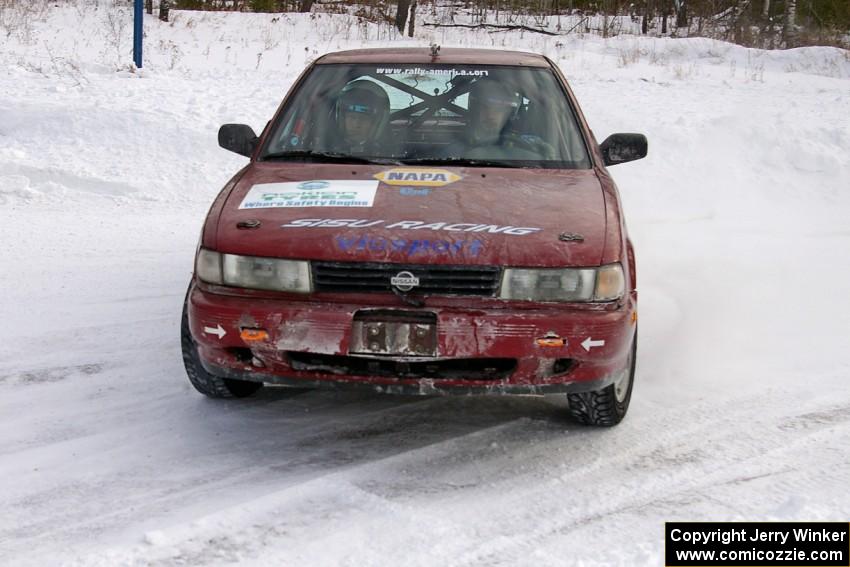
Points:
x=361 y=114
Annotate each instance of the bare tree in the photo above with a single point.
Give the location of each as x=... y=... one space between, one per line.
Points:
x=681 y=13
x=405 y=14
x=411 y=23
x=789 y=31
x=738 y=17
x=648 y=7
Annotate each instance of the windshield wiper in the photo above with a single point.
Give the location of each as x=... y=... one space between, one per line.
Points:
x=332 y=157
x=461 y=162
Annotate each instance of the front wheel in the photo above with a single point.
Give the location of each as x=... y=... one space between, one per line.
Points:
x=204 y=382
x=608 y=406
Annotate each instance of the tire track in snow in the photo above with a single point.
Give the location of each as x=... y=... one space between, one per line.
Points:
x=260 y=523
x=682 y=485
x=411 y=458
x=399 y=499
x=431 y=457
x=333 y=443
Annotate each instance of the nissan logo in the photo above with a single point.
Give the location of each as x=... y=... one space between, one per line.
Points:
x=404 y=281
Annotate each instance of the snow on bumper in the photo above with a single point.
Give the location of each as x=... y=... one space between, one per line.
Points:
x=499 y=350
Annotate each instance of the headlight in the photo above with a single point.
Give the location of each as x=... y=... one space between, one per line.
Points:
x=254 y=273
x=567 y=284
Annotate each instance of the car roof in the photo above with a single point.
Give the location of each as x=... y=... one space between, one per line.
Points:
x=422 y=55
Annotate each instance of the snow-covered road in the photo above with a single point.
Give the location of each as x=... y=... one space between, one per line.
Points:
x=741 y=409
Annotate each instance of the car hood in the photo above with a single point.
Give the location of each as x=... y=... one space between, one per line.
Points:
x=416 y=215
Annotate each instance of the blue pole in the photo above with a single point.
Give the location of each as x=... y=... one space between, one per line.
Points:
x=138 y=18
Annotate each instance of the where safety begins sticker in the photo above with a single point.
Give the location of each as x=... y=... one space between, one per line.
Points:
x=417 y=177
x=319 y=193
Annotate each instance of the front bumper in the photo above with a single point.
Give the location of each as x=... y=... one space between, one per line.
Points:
x=488 y=350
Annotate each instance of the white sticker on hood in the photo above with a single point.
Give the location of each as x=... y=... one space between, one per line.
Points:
x=319 y=193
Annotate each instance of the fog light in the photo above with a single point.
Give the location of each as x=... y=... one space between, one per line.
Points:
x=551 y=340
x=253 y=335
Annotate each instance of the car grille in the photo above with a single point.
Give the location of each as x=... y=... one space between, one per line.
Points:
x=368 y=277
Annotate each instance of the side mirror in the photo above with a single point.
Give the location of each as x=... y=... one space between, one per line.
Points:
x=238 y=138
x=620 y=148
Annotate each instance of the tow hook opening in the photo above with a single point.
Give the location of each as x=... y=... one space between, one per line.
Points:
x=241 y=354
x=562 y=366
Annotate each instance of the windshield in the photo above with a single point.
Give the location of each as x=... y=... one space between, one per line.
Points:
x=430 y=114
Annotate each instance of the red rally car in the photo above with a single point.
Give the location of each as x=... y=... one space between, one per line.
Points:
x=420 y=221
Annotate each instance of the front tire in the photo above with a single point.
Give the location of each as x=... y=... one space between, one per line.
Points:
x=204 y=382
x=606 y=407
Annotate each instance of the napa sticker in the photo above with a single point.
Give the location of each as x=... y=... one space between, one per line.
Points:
x=318 y=193
x=417 y=177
